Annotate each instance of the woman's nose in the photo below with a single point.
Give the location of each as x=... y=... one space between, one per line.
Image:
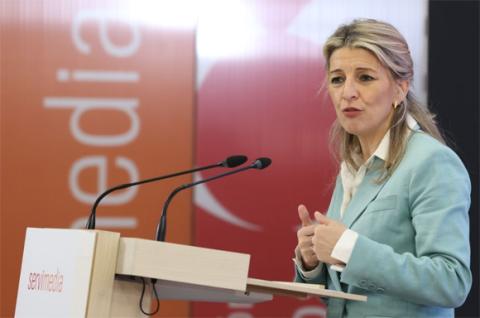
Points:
x=349 y=90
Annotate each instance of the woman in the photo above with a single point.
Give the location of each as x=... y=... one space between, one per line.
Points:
x=397 y=226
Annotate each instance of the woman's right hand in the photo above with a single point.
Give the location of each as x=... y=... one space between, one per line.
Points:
x=304 y=235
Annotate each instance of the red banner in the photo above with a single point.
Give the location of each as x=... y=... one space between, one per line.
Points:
x=262 y=102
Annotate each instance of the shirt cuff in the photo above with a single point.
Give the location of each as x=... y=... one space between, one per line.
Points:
x=307 y=274
x=344 y=247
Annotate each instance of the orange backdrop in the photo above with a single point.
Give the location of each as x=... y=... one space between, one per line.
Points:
x=90 y=97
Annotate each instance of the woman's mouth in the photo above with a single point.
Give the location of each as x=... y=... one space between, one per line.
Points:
x=351 y=112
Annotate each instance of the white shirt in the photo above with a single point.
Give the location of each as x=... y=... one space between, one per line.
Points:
x=350 y=182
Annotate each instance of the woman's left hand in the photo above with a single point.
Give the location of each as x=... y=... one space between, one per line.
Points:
x=327 y=233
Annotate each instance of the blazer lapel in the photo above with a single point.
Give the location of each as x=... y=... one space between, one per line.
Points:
x=366 y=192
x=334 y=213
x=334 y=208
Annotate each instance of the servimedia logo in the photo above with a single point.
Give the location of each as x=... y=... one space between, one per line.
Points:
x=44 y=281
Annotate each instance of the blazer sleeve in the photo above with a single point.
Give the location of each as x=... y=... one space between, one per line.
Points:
x=438 y=272
x=320 y=278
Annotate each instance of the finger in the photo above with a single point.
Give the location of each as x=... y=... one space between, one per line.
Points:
x=305 y=246
x=322 y=219
x=308 y=254
x=307 y=251
x=305 y=241
x=304 y=215
x=310 y=257
x=306 y=230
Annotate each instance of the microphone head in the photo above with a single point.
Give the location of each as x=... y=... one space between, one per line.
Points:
x=261 y=163
x=234 y=161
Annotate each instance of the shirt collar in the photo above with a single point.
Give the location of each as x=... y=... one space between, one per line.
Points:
x=384 y=146
x=411 y=122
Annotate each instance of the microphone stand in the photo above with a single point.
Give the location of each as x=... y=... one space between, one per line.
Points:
x=230 y=162
x=161 y=232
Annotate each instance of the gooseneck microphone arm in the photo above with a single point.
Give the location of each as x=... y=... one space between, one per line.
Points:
x=260 y=163
x=230 y=162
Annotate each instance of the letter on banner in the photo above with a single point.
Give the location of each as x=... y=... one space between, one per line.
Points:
x=100 y=162
x=82 y=105
x=102 y=17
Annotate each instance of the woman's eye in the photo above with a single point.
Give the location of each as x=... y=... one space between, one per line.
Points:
x=336 y=80
x=366 y=78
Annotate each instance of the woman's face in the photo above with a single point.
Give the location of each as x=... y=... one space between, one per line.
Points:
x=363 y=92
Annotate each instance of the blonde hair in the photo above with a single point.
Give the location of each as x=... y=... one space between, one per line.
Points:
x=391 y=49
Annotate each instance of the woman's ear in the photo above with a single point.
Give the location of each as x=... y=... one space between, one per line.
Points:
x=402 y=89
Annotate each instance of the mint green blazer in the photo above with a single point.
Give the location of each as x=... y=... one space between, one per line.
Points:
x=412 y=256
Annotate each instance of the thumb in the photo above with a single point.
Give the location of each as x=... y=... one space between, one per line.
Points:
x=322 y=219
x=304 y=215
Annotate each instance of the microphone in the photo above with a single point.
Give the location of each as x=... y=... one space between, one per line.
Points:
x=260 y=163
x=230 y=162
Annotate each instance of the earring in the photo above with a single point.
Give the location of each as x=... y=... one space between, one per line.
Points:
x=395 y=105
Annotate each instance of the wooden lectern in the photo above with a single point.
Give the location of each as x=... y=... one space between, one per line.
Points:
x=91 y=273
